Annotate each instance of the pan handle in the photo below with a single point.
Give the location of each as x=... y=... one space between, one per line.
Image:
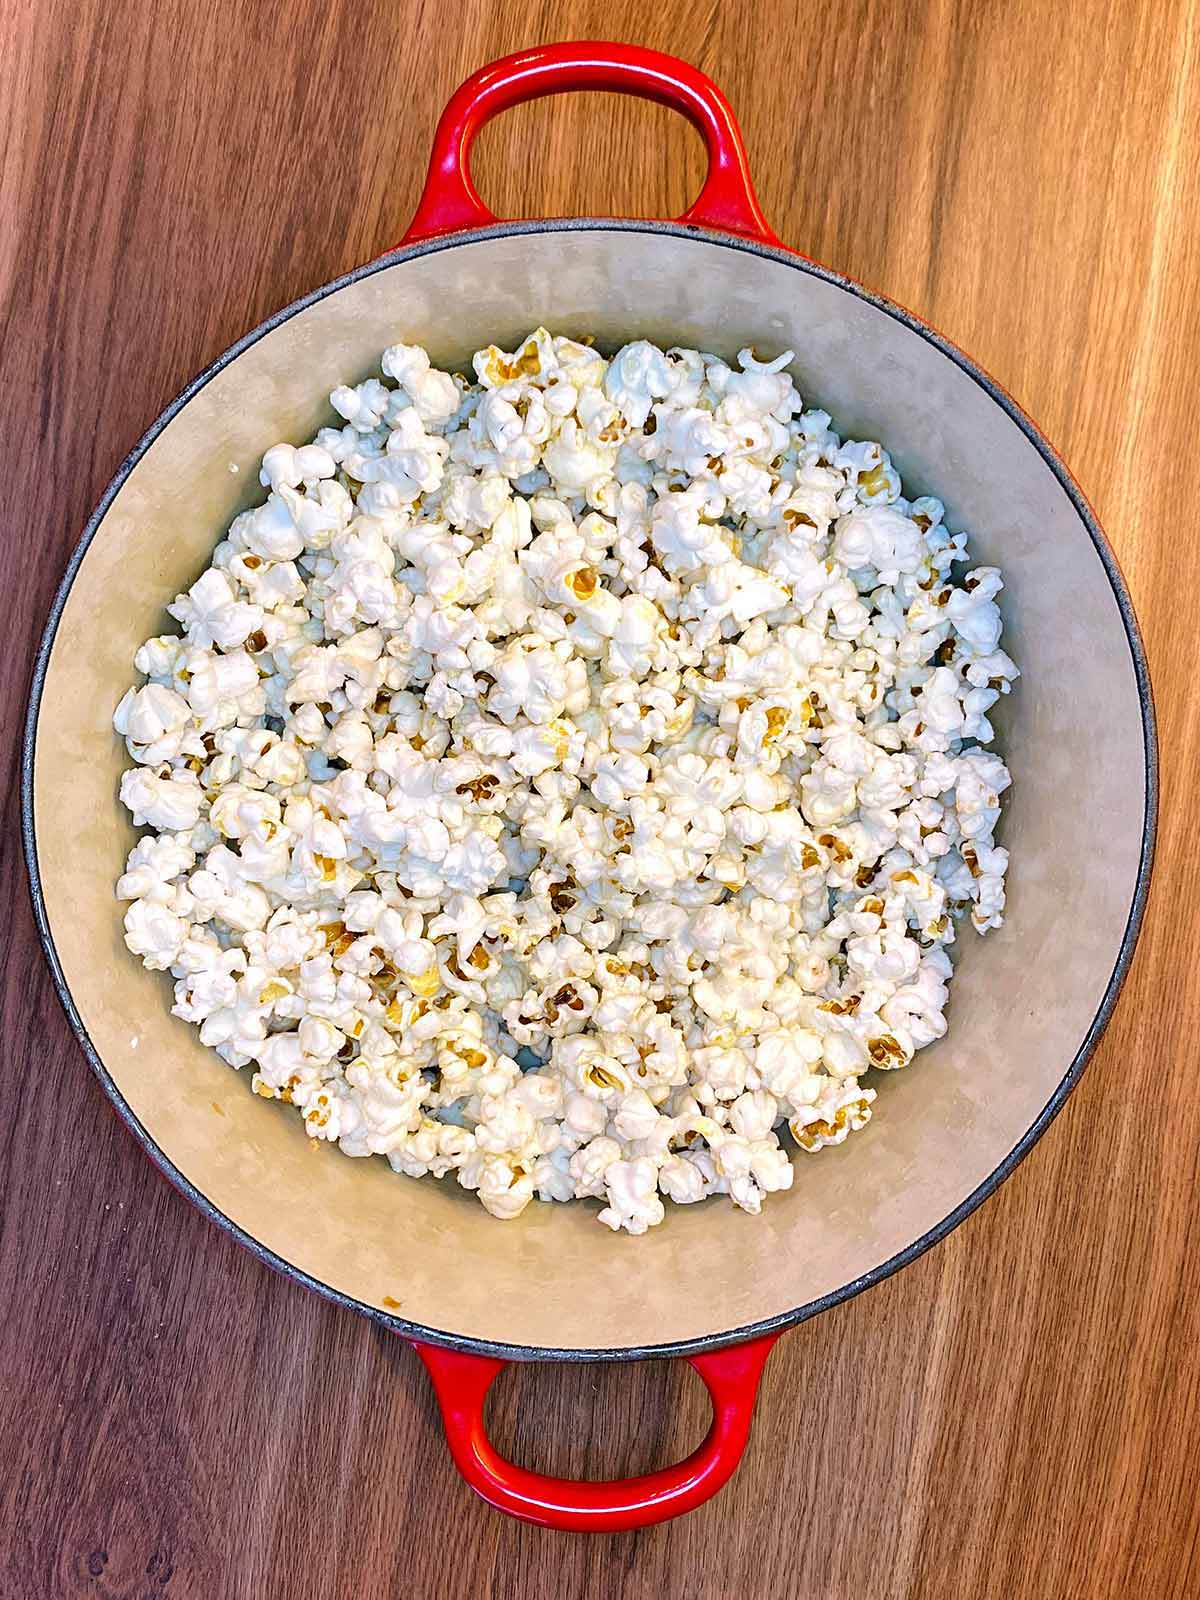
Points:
x=450 y=202
x=462 y=1380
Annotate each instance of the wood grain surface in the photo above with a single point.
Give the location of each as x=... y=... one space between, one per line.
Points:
x=1016 y=1414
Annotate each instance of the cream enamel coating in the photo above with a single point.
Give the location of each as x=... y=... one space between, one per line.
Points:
x=1023 y=1001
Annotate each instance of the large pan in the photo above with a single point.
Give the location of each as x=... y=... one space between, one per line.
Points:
x=711 y=1284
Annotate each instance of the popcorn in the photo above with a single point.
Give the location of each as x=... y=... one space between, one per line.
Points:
x=974 y=613
x=363 y=406
x=681 y=1180
x=269 y=532
x=433 y=395
x=153 y=932
x=169 y=802
x=153 y=720
x=683 y=535
x=286 y=467
x=632 y=1190
x=638 y=375
x=879 y=537
x=571 y=783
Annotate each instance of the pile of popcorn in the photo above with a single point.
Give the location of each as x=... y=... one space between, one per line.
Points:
x=571 y=780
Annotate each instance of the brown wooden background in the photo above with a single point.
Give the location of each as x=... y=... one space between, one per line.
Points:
x=1014 y=1415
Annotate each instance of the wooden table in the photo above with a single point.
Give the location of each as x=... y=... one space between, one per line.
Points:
x=1015 y=1414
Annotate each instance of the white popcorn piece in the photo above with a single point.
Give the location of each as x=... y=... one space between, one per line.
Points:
x=682 y=534
x=153 y=932
x=363 y=406
x=882 y=538
x=170 y=804
x=433 y=395
x=637 y=375
x=154 y=720
x=632 y=1190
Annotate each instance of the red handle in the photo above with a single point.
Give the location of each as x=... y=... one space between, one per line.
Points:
x=450 y=202
x=463 y=1380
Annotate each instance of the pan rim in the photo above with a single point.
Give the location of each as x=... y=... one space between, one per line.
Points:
x=719 y=1338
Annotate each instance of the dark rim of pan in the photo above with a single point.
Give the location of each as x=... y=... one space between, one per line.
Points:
x=724 y=1336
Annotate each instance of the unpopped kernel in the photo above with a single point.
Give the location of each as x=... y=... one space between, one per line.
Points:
x=572 y=780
